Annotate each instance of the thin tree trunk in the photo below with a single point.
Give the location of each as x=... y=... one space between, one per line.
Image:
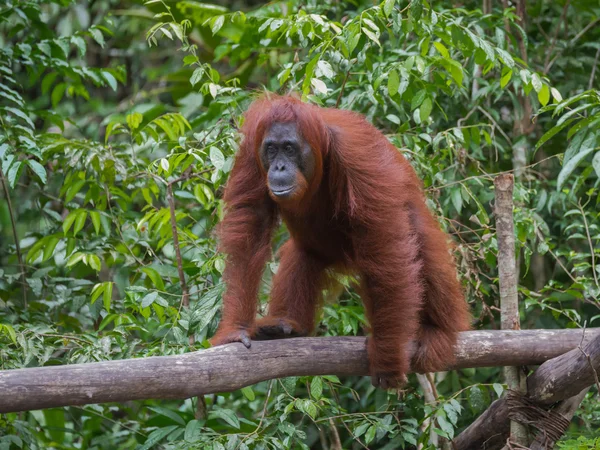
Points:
x=509 y=299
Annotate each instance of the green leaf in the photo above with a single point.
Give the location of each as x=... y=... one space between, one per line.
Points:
x=551 y=133
x=248 y=393
x=45 y=48
x=425 y=46
x=168 y=413
x=227 y=415
x=14 y=173
x=69 y=221
x=425 y=109
x=388 y=6
x=79 y=221
x=55 y=421
x=75 y=258
x=38 y=169
x=289 y=384
x=149 y=299
x=499 y=389
x=416 y=9
x=49 y=247
x=572 y=164
x=47 y=81
x=556 y=95
x=107 y=295
x=325 y=69
x=134 y=120
x=393 y=82
x=374 y=37
x=57 y=94
x=582 y=140
x=306 y=406
x=197 y=76
x=371 y=24
x=98 y=36
x=393 y=118
x=488 y=50
x=445 y=426
x=360 y=430
x=418 y=99
x=319 y=86
x=193 y=431
x=20 y=114
x=110 y=79
x=73 y=190
x=95 y=217
x=441 y=48
x=9 y=331
x=79 y=42
x=332 y=379
x=370 y=434
x=97 y=290
x=316 y=388
x=456 y=199
x=94 y=262
x=155 y=277
x=217 y=158
x=156 y=436
x=536 y=82
x=506 y=77
x=506 y=58
x=217 y=24
x=544 y=95
x=596 y=163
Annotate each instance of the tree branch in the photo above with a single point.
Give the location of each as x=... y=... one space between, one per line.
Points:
x=232 y=366
x=557 y=379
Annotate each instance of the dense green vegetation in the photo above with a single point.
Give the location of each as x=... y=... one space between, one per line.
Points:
x=118 y=128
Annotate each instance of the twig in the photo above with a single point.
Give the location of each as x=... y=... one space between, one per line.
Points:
x=188 y=175
x=118 y=227
x=589 y=238
x=13 y=223
x=201 y=410
x=504 y=135
x=430 y=398
x=185 y=295
x=339 y=99
x=489 y=176
x=575 y=39
x=589 y=360
x=337 y=443
x=361 y=414
x=563 y=16
x=593 y=74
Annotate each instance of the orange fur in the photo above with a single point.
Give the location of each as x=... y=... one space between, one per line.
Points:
x=363 y=211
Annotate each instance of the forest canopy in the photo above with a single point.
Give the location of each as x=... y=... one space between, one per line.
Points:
x=119 y=124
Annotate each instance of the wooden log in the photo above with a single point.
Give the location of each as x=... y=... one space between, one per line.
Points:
x=557 y=379
x=233 y=366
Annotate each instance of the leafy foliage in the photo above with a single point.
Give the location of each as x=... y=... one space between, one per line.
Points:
x=118 y=131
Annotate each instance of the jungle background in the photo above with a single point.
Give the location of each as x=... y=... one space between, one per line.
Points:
x=118 y=127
